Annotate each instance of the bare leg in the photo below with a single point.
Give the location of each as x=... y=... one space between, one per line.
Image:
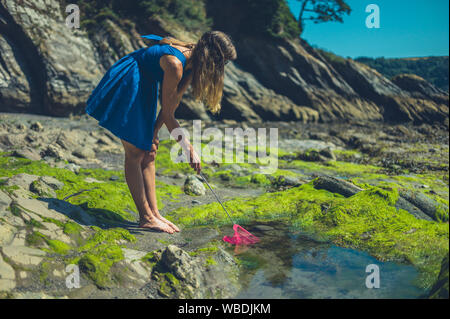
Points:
x=148 y=172
x=135 y=181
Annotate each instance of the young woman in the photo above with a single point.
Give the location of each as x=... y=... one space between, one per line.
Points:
x=125 y=102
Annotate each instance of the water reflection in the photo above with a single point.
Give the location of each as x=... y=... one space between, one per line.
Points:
x=284 y=265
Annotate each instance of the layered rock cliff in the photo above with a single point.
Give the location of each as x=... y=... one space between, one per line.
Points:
x=48 y=68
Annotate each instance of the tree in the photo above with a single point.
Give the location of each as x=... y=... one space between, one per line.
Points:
x=322 y=11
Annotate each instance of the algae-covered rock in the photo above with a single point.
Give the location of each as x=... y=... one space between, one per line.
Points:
x=181 y=275
x=336 y=185
x=430 y=207
x=41 y=189
x=193 y=186
x=440 y=288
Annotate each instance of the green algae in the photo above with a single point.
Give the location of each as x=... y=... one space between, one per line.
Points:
x=101 y=251
x=37 y=239
x=58 y=246
x=105 y=200
x=71 y=228
x=366 y=221
x=96 y=264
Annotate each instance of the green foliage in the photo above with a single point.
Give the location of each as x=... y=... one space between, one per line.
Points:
x=322 y=11
x=270 y=17
x=188 y=13
x=432 y=69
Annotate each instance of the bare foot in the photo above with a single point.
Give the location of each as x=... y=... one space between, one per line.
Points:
x=156 y=224
x=168 y=222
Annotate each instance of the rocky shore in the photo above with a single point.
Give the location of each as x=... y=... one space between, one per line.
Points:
x=370 y=186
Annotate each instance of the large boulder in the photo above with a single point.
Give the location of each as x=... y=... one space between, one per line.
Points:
x=183 y=276
x=420 y=88
x=49 y=67
x=193 y=186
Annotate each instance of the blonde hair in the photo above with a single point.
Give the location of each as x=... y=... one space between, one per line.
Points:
x=207 y=62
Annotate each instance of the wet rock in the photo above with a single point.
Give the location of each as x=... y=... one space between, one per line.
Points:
x=417 y=204
x=140 y=270
x=28 y=153
x=336 y=185
x=286 y=181
x=413 y=210
x=193 y=186
x=197 y=202
x=427 y=205
x=183 y=276
x=114 y=178
x=36 y=126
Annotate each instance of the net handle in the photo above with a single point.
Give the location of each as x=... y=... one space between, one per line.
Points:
x=215 y=195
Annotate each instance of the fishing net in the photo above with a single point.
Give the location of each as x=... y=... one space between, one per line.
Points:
x=241 y=237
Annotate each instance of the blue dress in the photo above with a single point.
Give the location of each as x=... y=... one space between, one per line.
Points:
x=125 y=100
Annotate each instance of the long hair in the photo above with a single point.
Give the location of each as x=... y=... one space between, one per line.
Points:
x=207 y=64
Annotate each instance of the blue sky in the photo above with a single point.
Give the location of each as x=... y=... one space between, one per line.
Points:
x=408 y=28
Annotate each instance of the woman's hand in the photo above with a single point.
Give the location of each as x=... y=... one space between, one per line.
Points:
x=194 y=160
x=155 y=141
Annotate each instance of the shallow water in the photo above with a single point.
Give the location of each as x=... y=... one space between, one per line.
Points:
x=289 y=266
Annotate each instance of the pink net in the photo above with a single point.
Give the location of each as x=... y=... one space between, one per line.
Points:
x=241 y=237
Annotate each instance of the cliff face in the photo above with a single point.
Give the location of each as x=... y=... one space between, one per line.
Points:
x=47 y=68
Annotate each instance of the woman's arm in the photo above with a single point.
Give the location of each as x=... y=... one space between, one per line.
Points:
x=173 y=88
x=170 y=68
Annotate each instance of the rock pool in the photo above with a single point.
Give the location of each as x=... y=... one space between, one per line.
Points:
x=291 y=266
